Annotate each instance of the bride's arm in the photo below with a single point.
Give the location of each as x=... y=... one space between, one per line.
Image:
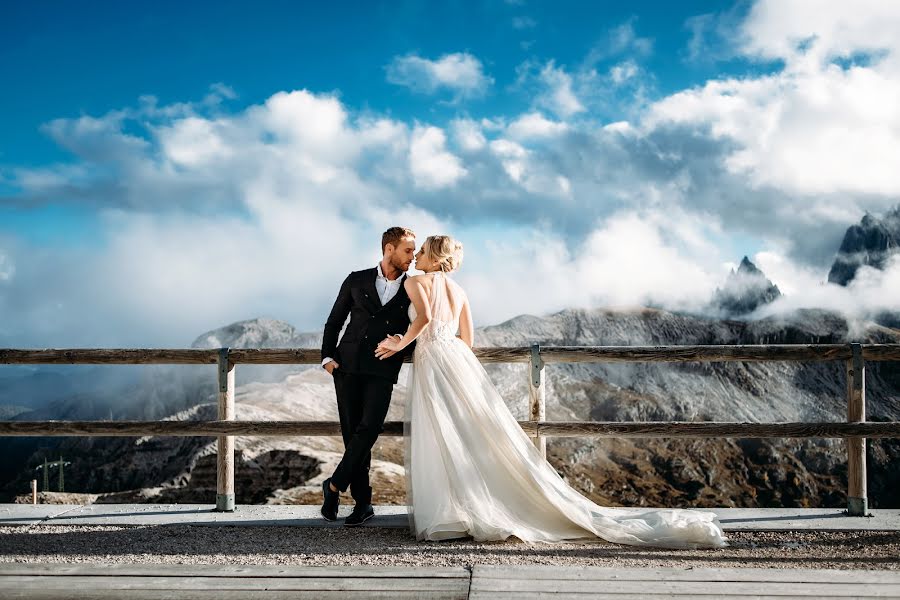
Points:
x=423 y=311
x=466 y=329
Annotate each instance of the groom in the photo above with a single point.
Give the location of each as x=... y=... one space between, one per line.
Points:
x=377 y=303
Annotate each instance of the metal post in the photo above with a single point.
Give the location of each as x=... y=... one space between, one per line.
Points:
x=46 y=476
x=225 y=444
x=857 y=502
x=34 y=491
x=537 y=395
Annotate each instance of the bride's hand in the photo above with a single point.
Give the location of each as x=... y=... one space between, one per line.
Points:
x=388 y=347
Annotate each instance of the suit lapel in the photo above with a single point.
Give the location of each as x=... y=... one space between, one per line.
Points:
x=372 y=291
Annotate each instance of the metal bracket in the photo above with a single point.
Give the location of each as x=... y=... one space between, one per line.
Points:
x=537 y=365
x=858 y=366
x=223 y=370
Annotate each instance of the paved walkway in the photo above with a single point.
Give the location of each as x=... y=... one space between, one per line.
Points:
x=485 y=582
x=732 y=519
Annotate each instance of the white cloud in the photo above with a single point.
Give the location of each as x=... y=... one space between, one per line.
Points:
x=431 y=165
x=468 y=134
x=798 y=30
x=193 y=142
x=629 y=260
x=459 y=72
x=623 y=71
x=814 y=127
x=559 y=97
x=535 y=125
x=531 y=174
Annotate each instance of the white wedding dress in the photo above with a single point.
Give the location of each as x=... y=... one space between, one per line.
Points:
x=472 y=471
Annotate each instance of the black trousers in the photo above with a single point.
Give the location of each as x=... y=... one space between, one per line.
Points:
x=363 y=402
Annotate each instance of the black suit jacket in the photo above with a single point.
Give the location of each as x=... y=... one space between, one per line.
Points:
x=370 y=322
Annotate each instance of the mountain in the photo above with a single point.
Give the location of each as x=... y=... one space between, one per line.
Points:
x=626 y=471
x=744 y=291
x=260 y=333
x=257 y=333
x=871 y=243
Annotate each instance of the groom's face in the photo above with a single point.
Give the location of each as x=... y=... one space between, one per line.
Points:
x=402 y=256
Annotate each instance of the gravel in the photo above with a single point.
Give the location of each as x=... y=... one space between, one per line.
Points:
x=185 y=544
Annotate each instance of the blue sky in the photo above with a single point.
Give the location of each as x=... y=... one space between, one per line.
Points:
x=657 y=138
x=66 y=61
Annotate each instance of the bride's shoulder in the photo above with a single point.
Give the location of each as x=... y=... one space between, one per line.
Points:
x=416 y=281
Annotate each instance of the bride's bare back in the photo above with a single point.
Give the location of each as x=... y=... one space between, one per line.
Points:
x=436 y=297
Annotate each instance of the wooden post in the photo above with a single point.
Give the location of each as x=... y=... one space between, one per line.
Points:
x=225 y=444
x=857 y=502
x=537 y=395
x=34 y=491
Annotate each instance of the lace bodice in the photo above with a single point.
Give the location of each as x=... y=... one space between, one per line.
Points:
x=444 y=322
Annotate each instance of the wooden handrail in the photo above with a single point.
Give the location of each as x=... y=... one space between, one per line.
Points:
x=549 y=354
x=654 y=429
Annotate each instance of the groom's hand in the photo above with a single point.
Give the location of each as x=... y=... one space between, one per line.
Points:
x=330 y=367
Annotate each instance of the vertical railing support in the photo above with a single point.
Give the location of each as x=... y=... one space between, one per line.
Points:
x=857 y=502
x=537 y=395
x=225 y=443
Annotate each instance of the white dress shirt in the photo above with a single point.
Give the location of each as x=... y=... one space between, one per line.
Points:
x=386 y=288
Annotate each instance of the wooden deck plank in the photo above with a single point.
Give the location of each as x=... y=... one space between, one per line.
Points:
x=692 y=588
x=101 y=594
x=346 y=584
x=596 y=595
x=527 y=572
x=167 y=570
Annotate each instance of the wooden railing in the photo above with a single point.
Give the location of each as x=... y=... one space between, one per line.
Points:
x=855 y=430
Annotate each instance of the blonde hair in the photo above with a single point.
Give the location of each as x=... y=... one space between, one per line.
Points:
x=445 y=251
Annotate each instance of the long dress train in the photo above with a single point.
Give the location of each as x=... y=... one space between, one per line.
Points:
x=472 y=471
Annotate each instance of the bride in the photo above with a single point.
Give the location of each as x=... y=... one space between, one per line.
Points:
x=471 y=470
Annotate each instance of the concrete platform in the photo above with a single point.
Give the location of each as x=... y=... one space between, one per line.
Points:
x=732 y=519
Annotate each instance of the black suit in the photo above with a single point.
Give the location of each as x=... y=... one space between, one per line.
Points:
x=363 y=382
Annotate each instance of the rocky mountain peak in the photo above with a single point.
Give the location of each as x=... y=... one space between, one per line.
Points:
x=253 y=333
x=871 y=243
x=748 y=268
x=745 y=290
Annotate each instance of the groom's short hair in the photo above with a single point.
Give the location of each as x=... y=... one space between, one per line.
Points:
x=395 y=235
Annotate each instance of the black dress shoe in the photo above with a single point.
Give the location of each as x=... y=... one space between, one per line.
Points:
x=361 y=513
x=330 y=501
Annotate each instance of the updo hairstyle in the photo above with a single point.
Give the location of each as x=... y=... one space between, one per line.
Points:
x=445 y=251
